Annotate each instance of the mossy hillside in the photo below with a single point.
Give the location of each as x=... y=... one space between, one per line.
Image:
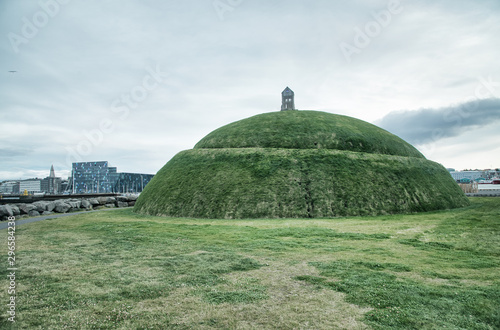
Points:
x=299 y=164
x=296 y=183
x=307 y=130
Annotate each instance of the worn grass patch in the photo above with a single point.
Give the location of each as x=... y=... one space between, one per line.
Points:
x=404 y=303
x=121 y=270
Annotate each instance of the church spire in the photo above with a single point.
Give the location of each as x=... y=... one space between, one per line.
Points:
x=52 y=173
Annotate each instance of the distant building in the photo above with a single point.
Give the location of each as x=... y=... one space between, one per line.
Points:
x=489 y=173
x=98 y=177
x=9 y=187
x=466 y=175
x=93 y=177
x=51 y=184
x=287 y=99
x=64 y=186
x=31 y=186
x=132 y=182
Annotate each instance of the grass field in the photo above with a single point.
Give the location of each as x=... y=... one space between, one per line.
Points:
x=117 y=269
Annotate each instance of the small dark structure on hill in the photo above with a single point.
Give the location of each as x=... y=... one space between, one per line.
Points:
x=287 y=99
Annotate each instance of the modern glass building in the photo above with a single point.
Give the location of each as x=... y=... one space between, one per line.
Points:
x=98 y=177
x=93 y=178
x=132 y=182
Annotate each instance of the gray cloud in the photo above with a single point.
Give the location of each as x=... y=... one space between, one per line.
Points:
x=431 y=125
x=9 y=153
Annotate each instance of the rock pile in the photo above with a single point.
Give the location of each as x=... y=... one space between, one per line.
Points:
x=64 y=206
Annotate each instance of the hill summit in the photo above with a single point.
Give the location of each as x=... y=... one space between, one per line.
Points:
x=307 y=130
x=299 y=164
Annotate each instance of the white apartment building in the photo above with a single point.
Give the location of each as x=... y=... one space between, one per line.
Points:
x=32 y=186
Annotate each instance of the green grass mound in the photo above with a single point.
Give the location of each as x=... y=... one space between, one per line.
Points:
x=307 y=130
x=296 y=183
x=299 y=164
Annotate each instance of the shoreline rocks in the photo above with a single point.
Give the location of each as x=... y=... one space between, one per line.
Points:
x=25 y=210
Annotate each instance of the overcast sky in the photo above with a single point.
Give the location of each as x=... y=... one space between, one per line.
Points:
x=135 y=82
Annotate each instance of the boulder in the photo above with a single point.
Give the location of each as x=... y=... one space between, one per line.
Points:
x=102 y=200
x=86 y=204
x=132 y=197
x=93 y=201
x=62 y=207
x=15 y=210
x=40 y=205
x=121 y=198
x=106 y=200
x=75 y=204
x=26 y=208
x=6 y=211
x=50 y=206
x=131 y=203
x=121 y=204
x=47 y=213
x=33 y=213
x=110 y=205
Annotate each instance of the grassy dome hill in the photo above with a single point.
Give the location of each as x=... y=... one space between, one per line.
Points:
x=307 y=130
x=299 y=164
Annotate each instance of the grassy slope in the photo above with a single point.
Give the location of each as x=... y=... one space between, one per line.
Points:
x=307 y=130
x=117 y=269
x=277 y=183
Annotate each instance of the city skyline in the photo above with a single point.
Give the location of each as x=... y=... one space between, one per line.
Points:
x=135 y=84
x=86 y=177
x=52 y=171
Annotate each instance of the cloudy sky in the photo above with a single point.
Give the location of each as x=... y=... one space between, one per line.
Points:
x=135 y=82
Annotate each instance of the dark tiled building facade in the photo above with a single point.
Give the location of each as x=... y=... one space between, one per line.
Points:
x=99 y=177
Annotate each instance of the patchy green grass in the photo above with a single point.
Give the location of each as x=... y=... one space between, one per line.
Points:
x=121 y=270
